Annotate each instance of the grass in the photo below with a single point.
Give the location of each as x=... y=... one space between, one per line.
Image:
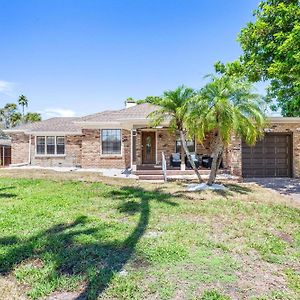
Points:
x=121 y=240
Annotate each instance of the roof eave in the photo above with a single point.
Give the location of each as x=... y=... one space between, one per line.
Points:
x=27 y=132
x=284 y=119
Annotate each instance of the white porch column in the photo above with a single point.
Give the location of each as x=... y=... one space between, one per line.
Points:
x=133 y=149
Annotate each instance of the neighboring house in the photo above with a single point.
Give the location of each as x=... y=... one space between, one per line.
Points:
x=123 y=139
x=5 y=151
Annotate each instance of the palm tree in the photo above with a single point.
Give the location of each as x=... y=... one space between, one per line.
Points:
x=173 y=108
x=23 y=101
x=225 y=106
x=32 y=117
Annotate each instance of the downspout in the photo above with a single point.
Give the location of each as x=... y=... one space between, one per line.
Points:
x=29 y=152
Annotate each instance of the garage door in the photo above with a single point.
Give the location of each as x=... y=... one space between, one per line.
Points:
x=270 y=157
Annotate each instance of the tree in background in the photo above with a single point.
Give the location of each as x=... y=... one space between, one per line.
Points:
x=225 y=106
x=271 y=46
x=32 y=117
x=23 y=101
x=10 y=116
x=173 y=107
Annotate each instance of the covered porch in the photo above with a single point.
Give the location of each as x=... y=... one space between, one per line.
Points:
x=148 y=146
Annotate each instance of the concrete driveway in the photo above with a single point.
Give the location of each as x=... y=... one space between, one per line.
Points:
x=285 y=186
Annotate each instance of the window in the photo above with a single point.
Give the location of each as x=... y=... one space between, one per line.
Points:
x=60 y=145
x=111 y=141
x=40 y=145
x=50 y=145
x=190 y=145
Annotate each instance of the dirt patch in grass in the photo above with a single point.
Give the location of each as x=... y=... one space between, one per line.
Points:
x=10 y=290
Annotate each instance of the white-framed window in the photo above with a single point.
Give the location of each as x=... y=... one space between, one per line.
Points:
x=50 y=145
x=111 y=141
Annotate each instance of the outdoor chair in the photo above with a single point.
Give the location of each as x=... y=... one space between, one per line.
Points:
x=207 y=161
x=175 y=160
x=197 y=160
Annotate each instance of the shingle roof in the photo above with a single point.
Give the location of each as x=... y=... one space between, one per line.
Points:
x=140 y=111
x=58 y=124
x=73 y=125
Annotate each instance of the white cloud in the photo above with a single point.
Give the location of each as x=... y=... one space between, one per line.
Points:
x=57 y=112
x=6 y=88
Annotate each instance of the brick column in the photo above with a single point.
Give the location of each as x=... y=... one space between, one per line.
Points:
x=296 y=153
x=235 y=156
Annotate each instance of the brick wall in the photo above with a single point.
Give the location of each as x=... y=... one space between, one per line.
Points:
x=234 y=157
x=91 y=151
x=19 y=148
x=294 y=129
x=85 y=150
x=166 y=142
x=72 y=157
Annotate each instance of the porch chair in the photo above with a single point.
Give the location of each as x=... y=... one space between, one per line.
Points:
x=197 y=160
x=207 y=161
x=175 y=160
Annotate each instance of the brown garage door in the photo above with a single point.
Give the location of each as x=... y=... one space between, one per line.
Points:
x=270 y=157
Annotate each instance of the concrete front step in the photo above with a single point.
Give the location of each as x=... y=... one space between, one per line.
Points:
x=151 y=177
x=148 y=172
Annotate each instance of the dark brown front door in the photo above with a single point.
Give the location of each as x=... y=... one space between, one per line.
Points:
x=270 y=157
x=149 y=147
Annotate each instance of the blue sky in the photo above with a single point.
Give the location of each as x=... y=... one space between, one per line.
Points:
x=75 y=57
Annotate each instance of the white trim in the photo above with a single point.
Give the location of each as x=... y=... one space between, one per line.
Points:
x=131 y=147
x=29 y=147
x=133 y=166
x=156 y=146
x=36 y=155
x=49 y=155
x=53 y=133
x=43 y=133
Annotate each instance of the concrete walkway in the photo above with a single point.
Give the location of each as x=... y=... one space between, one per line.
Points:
x=285 y=186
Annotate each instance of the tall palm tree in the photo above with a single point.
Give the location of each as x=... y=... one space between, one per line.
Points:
x=23 y=101
x=173 y=108
x=225 y=106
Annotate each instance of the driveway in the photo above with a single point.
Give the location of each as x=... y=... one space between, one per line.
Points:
x=285 y=186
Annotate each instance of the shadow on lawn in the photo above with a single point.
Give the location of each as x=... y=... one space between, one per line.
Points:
x=232 y=189
x=97 y=261
x=5 y=194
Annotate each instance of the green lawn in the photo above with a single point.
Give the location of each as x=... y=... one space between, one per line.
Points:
x=124 y=241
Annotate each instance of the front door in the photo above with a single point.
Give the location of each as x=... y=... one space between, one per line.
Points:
x=149 y=147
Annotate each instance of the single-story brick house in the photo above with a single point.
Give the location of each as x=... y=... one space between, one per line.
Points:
x=123 y=139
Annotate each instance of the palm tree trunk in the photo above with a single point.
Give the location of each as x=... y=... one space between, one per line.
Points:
x=217 y=158
x=188 y=154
